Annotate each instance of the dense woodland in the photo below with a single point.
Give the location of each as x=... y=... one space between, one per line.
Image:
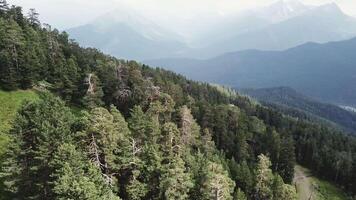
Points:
x=105 y=128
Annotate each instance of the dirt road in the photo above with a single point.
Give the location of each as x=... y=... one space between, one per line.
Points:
x=303 y=184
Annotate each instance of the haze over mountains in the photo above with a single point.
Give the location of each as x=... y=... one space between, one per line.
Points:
x=126 y=33
x=324 y=71
x=132 y=35
x=289 y=26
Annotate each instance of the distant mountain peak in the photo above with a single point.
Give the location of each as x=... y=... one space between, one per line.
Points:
x=130 y=17
x=331 y=7
x=290 y=3
x=282 y=10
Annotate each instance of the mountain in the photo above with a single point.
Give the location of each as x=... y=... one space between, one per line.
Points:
x=233 y=25
x=324 y=71
x=290 y=102
x=282 y=10
x=126 y=33
x=318 y=24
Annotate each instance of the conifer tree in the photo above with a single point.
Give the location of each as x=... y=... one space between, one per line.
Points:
x=12 y=44
x=33 y=17
x=264 y=178
x=42 y=126
x=287 y=160
x=76 y=178
x=190 y=130
x=242 y=174
x=239 y=195
x=282 y=191
x=208 y=145
x=32 y=59
x=106 y=138
x=175 y=181
x=94 y=93
x=170 y=140
x=216 y=183
x=135 y=188
x=4 y=7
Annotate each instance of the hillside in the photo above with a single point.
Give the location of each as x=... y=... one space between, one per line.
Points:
x=322 y=71
x=295 y=104
x=144 y=133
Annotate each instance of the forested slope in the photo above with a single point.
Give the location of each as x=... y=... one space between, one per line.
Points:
x=145 y=133
x=290 y=102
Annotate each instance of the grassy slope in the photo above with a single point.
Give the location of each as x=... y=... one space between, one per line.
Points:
x=9 y=103
x=310 y=187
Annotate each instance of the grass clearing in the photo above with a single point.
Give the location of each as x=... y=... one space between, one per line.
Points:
x=328 y=191
x=10 y=102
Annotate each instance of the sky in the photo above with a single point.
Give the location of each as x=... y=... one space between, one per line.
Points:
x=64 y=14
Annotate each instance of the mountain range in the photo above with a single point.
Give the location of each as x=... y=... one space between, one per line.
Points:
x=128 y=33
x=291 y=102
x=324 y=71
x=312 y=24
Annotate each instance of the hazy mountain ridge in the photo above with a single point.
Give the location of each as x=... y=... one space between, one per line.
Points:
x=230 y=26
x=323 y=71
x=126 y=33
x=320 y=24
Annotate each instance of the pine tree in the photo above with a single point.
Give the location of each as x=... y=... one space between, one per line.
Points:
x=76 y=178
x=145 y=151
x=208 y=145
x=282 y=191
x=143 y=127
x=4 y=7
x=175 y=181
x=33 y=17
x=264 y=178
x=107 y=142
x=287 y=160
x=41 y=127
x=12 y=45
x=136 y=189
x=69 y=80
x=170 y=140
x=239 y=195
x=216 y=183
x=94 y=92
x=190 y=130
x=242 y=174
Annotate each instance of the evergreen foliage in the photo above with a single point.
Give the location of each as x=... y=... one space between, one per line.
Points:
x=145 y=133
